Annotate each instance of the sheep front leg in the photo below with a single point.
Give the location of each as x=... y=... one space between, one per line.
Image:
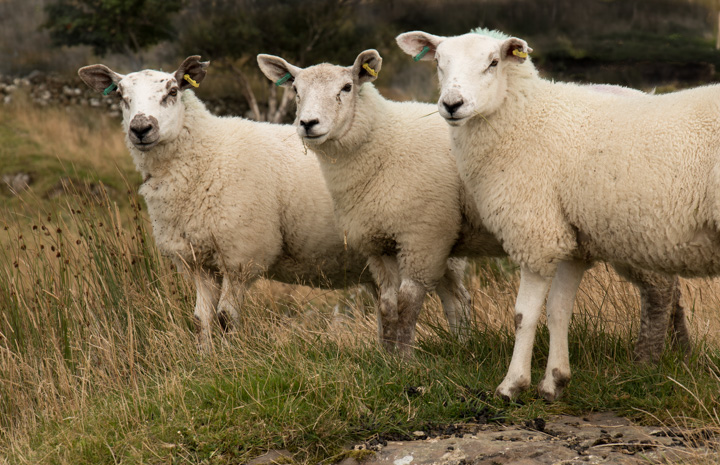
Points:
x=455 y=299
x=528 y=306
x=207 y=296
x=385 y=273
x=559 y=311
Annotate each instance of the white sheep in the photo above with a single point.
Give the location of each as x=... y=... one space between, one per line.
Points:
x=394 y=185
x=397 y=192
x=231 y=199
x=565 y=175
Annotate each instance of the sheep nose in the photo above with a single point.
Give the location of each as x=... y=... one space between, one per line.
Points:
x=451 y=107
x=308 y=125
x=141 y=131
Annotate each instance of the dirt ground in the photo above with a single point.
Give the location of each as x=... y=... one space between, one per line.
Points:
x=600 y=438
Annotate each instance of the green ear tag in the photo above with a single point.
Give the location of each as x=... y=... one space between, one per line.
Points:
x=109 y=88
x=422 y=53
x=283 y=79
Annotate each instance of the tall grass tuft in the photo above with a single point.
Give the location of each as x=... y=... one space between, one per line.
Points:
x=86 y=305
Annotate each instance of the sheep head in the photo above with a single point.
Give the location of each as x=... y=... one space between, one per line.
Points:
x=325 y=94
x=472 y=69
x=150 y=100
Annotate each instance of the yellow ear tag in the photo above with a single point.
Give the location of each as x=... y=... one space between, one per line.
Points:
x=190 y=80
x=519 y=54
x=367 y=68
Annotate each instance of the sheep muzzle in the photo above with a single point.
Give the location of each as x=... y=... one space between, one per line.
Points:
x=144 y=131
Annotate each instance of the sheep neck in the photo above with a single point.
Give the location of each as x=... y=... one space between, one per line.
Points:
x=523 y=85
x=349 y=146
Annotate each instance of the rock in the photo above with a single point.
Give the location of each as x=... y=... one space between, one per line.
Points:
x=36 y=77
x=66 y=185
x=349 y=461
x=46 y=90
x=566 y=440
x=274 y=457
x=17 y=182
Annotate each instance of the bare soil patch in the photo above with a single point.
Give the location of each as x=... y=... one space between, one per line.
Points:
x=592 y=439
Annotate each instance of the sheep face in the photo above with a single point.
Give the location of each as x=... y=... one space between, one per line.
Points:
x=151 y=107
x=151 y=100
x=326 y=94
x=472 y=70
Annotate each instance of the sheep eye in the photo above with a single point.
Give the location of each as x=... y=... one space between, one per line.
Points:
x=173 y=92
x=493 y=63
x=347 y=88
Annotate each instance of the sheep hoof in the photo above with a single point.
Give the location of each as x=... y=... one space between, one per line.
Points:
x=552 y=387
x=508 y=390
x=646 y=357
x=406 y=352
x=204 y=338
x=388 y=344
x=549 y=394
x=204 y=344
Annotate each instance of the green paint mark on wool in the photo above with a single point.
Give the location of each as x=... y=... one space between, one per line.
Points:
x=495 y=34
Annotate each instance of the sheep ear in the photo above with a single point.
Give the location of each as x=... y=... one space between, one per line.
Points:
x=515 y=49
x=195 y=70
x=277 y=70
x=414 y=43
x=367 y=66
x=99 y=77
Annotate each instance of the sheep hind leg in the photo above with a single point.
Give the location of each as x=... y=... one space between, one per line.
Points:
x=528 y=306
x=232 y=298
x=659 y=309
x=411 y=296
x=559 y=312
x=385 y=273
x=680 y=333
x=455 y=299
x=207 y=296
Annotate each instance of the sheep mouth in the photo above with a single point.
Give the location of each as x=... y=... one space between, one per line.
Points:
x=144 y=146
x=456 y=121
x=314 y=137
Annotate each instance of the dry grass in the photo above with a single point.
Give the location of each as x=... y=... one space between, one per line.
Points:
x=58 y=143
x=74 y=134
